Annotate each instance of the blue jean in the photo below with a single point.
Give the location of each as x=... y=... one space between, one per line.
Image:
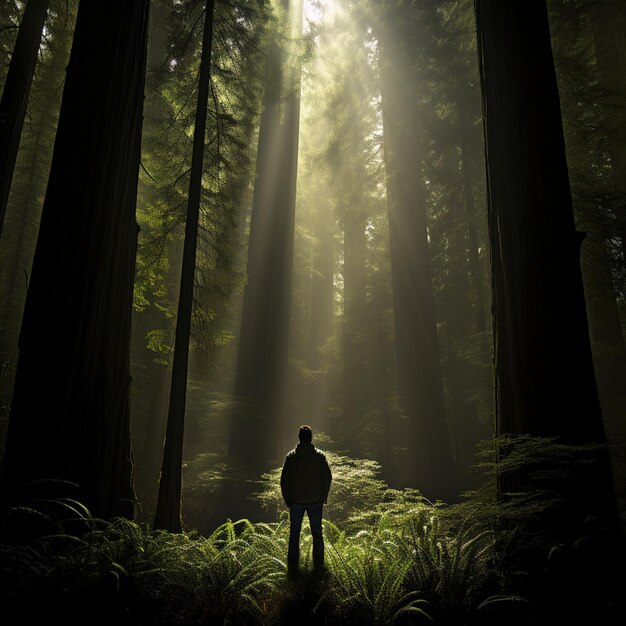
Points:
x=296 y=515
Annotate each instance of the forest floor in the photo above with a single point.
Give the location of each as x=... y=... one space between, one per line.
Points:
x=417 y=568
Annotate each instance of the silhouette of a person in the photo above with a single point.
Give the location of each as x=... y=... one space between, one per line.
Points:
x=305 y=483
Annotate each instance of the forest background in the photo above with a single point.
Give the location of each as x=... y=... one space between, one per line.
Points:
x=399 y=222
x=367 y=119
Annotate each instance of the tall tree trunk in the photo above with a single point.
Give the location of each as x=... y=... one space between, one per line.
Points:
x=257 y=436
x=354 y=324
x=474 y=265
x=602 y=309
x=467 y=427
x=320 y=309
x=599 y=200
x=322 y=289
x=168 y=511
x=602 y=35
x=16 y=91
x=458 y=311
x=609 y=22
x=545 y=384
x=383 y=372
x=70 y=411
x=27 y=206
x=420 y=384
x=16 y=280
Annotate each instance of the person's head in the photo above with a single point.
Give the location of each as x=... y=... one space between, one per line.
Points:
x=306 y=434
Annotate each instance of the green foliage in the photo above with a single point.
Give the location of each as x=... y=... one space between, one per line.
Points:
x=370 y=579
x=455 y=571
x=536 y=475
x=239 y=42
x=45 y=507
x=356 y=487
x=240 y=39
x=393 y=558
x=238 y=574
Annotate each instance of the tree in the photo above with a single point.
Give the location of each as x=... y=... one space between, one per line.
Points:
x=349 y=116
x=168 y=514
x=452 y=139
x=30 y=177
x=544 y=375
x=175 y=50
x=70 y=410
x=609 y=22
x=592 y=122
x=16 y=91
x=430 y=465
x=256 y=432
x=592 y=111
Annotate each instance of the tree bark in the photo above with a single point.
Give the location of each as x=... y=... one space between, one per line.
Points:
x=257 y=433
x=420 y=386
x=544 y=376
x=355 y=306
x=16 y=91
x=474 y=264
x=168 y=511
x=321 y=309
x=322 y=289
x=609 y=22
x=70 y=412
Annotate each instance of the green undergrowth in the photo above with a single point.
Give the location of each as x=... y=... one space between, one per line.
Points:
x=388 y=573
x=529 y=557
x=425 y=567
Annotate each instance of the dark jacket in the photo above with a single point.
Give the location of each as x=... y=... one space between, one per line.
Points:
x=306 y=476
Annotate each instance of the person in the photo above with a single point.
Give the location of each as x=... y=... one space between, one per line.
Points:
x=305 y=482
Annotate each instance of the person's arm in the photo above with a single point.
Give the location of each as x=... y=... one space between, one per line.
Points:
x=285 y=483
x=326 y=479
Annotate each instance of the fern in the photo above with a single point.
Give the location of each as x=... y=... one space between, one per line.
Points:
x=412 y=563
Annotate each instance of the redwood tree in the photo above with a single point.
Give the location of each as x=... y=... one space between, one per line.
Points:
x=545 y=383
x=16 y=91
x=70 y=411
x=257 y=433
x=168 y=513
x=609 y=23
x=429 y=461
